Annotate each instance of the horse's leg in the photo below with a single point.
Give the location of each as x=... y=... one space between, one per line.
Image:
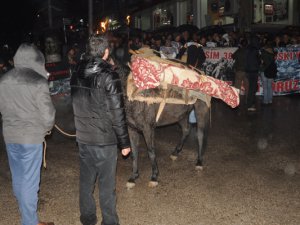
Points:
x=185 y=127
x=202 y=115
x=148 y=133
x=134 y=139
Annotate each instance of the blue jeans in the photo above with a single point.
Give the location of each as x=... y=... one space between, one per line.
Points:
x=25 y=162
x=98 y=162
x=192 y=117
x=267 y=87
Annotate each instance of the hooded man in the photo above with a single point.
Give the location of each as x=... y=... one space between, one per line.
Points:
x=27 y=115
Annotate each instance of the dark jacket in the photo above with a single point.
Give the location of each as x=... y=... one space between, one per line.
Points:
x=253 y=56
x=25 y=103
x=267 y=56
x=98 y=104
x=239 y=57
x=195 y=56
x=252 y=60
x=268 y=65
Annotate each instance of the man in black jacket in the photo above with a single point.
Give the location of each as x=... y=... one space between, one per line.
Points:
x=252 y=69
x=100 y=129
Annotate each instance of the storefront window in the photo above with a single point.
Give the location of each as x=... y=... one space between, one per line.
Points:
x=270 y=11
x=162 y=17
x=216 y=16
x=190 y=15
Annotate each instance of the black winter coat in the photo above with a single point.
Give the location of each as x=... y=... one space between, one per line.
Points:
x=240 y=59
x=195 y=56
x=252 y=60
x=98 y=104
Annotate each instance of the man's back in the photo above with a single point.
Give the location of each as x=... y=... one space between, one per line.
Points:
x=239 y=59
x=98 y=104
x=25 y=103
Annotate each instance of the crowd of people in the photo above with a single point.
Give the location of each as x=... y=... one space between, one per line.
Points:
x=254 y=58
x=188 y=46
x=229 y=39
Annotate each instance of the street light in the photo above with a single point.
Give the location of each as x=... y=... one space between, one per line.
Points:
x=128 y=20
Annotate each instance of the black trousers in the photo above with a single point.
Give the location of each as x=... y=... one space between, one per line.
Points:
x=98 y=162
x=252 y=78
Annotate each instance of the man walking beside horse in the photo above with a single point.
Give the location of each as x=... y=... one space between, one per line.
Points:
x=100 y=129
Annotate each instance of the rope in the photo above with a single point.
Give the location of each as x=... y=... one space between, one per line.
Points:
x=44 y=154
x=63 y=132
x=44 y=151
x=45 y=143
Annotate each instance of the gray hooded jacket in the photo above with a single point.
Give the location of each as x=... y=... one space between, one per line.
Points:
x=25 y=103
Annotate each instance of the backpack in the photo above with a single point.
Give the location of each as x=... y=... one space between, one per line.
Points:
x=271 y=70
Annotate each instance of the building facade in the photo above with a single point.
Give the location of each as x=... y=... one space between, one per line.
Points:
x=211 y=12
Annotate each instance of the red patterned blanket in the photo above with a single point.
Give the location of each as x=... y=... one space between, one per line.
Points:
x=150 y=71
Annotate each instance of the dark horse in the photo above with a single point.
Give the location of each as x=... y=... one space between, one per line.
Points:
x=141 y=118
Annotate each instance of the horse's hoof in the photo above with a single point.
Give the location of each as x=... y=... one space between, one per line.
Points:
x=199 y=168
x=130 y=185
x=152 y=184
x=173 y=157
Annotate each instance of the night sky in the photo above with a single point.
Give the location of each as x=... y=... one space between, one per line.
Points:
x=19 y=17
x=16 y=17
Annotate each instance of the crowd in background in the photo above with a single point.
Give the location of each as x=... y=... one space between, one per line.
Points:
x=187 y=46
x=174 y=41
x=254 y=58
x=169 y=44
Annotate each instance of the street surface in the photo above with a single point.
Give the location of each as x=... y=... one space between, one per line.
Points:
x=251 y=174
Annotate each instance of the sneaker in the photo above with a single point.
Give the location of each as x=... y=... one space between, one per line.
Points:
x=252 y=109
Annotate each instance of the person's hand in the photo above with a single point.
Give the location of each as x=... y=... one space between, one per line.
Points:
x=126 y=151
